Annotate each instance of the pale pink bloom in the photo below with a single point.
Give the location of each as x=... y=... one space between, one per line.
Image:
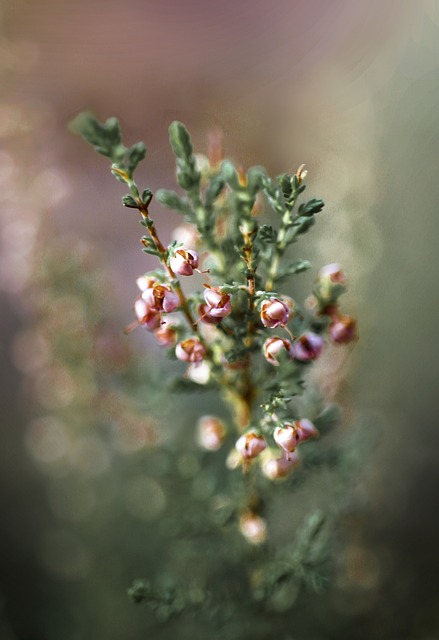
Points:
x=146 y=315
x=333 y=272
x=275 y=313
x=161 y=297
x=275 y=345
x=219 y=305
x=253 y=528
x=308 y=346
x=250 y=445
x=305 y=429
x=205 y=315
x=287 y=438
x=190 y=350
x=278 y=468
x=210 y=433
x=343 y=329
x=199 y=372
x=184 y=261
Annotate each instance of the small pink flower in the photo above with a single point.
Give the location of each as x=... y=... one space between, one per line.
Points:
x=184 y=261
x=211 y=433
x=161 y=297
x=166 y=334
x=219 y=305
x=275 y=313
x=343 y=329
x=250 y=445
x=333 y=272
x=273 y=346
x=305 y=429
x=146 y=281
x=308 y=346
x=190 y=350
x=287 y=438
x=278 y=468
x=146 y=315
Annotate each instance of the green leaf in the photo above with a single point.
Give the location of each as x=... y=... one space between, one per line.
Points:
x=104 y=137
x=230 y=175
x=171 y=200
x=135 y=155
x=267 y=233
x=214 y=189
x=180 y=140
x=311 y=207
x=128 y=201
x=295 y=267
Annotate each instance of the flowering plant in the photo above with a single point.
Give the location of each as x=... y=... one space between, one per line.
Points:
x=241 y=334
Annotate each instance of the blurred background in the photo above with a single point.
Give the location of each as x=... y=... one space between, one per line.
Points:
x=349 y=87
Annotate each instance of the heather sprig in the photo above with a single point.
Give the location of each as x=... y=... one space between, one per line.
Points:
x=241 y=334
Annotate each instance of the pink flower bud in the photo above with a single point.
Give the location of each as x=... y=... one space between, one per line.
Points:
x=343 y=329
x=308 y=346
x=205 y=315
x=287 y=438
x=190 y=350
x=305 y=429
x=161 y=297
x=218 y=303
x=166 y=334
x=146 y=315
x=210 y=433
x=275 y=313
x=333 y=273
x=278 y=468
x=250 y=445
x=184 y=261
x=253 y=528
x=273 y=346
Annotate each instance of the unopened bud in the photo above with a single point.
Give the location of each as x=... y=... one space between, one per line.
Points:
x=333 y=273
x=184 y=261
x=210 y=433
x=308 y=346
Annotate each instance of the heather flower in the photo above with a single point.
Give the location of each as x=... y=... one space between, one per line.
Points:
x=190 y=350
x=166 y=334
x=161 y=297
x=199 y=372
x=278 y=468
x=146 y=282
x=308 y=346
x=287 y=438
x=210 y=433
x=250 y=445
x=343 y=329
x=275 y=313
x=219 y=305
x=184 y=261
x=146 y=315
x=333 y=273
x=275 y=346
x=305 y=429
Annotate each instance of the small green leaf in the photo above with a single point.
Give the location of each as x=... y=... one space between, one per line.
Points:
x=180 y=140
x=311 y=207
x=171 y=200
x=135 y=155
x=128 y=201
x=267 y=233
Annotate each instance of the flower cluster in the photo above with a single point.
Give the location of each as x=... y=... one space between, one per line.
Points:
x=236 y=332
